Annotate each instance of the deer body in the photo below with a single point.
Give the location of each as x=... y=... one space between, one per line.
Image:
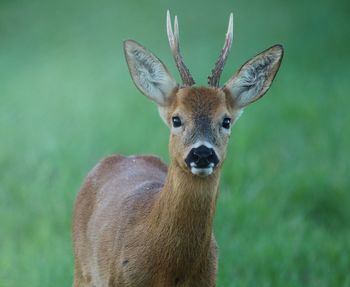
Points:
x=147 y=228
x=137 y=222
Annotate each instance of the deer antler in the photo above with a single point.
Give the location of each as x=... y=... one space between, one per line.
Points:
x=175 y=49
x=214 y=78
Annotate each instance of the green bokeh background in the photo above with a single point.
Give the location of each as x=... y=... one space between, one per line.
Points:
x=66 y=101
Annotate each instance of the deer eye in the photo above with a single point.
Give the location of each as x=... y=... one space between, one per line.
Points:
x=226 y=123
x=176 y=122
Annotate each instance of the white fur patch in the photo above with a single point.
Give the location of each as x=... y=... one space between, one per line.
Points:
x=202 y=171
x=200 y=143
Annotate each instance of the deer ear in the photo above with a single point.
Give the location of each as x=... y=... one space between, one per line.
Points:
x=149 y=74
x=254 y=78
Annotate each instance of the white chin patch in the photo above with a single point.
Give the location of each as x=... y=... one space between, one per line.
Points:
x=202 y=171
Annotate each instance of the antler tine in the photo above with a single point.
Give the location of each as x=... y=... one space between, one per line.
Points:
x=175 y=49
x=169 y=30
x=176 y=31
x=214 y=78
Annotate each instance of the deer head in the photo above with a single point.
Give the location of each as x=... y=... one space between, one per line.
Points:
x=200 y=118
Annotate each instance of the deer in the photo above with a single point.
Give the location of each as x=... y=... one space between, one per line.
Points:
x=138 y=222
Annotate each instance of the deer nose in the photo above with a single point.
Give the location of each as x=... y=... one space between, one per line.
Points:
x=201 y=157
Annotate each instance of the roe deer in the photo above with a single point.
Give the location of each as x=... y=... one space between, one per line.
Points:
x=138 y=223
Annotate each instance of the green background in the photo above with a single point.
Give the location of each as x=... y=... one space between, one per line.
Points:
x=66 y=101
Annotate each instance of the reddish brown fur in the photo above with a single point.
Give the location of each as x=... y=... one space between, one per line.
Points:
x=137 y=224
x=190 y=102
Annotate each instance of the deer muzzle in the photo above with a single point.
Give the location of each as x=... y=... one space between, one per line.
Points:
x=202 y=160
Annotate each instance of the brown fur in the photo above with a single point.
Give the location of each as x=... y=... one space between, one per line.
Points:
x=137 y=224
x=192 y=103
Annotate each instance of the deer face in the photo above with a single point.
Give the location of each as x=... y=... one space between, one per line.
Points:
x=200 y=118
x=200 y=122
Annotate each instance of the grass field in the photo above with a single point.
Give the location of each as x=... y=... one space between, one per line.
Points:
x=66 y=101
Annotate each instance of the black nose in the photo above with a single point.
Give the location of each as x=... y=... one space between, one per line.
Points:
x=201 y=157
x=202 y=152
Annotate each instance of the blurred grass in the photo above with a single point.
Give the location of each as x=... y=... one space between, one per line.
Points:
x=66 y=100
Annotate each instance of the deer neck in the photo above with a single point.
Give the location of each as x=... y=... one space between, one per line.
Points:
x=183 y=214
